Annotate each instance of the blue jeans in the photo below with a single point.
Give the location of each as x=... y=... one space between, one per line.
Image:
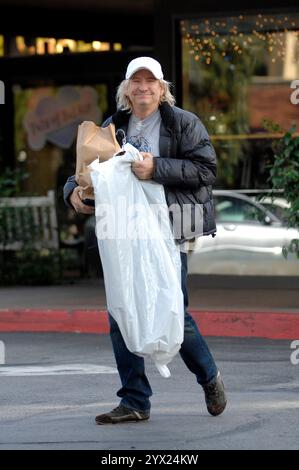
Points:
x=136 y=390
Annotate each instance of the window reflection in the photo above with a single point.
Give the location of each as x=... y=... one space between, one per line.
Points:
x=1 y=45
x=236 y=75
x=27 y=45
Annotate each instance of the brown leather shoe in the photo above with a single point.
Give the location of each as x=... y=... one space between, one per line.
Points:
x=121 y=414
x=215 y=396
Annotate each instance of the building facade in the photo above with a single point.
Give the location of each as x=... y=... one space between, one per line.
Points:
x=236 y=70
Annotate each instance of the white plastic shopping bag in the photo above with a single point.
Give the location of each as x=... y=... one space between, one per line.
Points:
x=141 y=262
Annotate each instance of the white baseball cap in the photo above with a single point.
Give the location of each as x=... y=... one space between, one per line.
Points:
x=144 y=63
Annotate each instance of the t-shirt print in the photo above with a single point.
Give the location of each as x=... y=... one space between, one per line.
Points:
x=140 y=143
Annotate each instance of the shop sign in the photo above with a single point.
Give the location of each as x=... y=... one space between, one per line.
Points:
x=56 y=118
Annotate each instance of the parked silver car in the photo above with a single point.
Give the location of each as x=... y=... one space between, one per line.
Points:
x=249 y=240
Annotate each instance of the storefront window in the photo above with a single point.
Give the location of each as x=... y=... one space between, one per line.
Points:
x=46 y=124
x=237 y=74
x=1 y=45
x=27 y=45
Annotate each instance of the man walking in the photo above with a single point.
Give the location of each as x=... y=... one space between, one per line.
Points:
x=178 y=154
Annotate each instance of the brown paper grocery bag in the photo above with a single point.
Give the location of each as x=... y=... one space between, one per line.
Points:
x=93 y=142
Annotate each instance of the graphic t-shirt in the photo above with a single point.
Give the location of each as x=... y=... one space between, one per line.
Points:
x=145 y=134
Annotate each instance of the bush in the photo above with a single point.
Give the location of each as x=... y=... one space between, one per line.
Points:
x=10 y=182
x=30 y=267
x=284 y=174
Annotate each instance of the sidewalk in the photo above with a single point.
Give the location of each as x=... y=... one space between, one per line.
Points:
x=222 y=306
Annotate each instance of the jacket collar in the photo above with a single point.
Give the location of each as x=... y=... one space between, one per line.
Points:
x=121 y=118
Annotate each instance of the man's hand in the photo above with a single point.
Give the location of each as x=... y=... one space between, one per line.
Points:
x=78 y=205
x=144 y=169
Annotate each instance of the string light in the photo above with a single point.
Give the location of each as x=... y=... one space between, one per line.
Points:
x=236 y=41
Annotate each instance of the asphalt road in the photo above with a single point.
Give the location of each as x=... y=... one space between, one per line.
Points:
x=57 y=411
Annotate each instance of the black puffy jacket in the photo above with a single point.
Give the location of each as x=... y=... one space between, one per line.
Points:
x=186 y=168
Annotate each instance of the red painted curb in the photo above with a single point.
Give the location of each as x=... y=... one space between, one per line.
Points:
x=64 y=321
x=271 y=325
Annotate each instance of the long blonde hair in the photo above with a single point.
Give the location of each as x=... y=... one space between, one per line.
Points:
x=124 y=103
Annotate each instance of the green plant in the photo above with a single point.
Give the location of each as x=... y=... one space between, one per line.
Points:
x=10 y=182
x=216 y=85
x=284 y=174
x=30 y=267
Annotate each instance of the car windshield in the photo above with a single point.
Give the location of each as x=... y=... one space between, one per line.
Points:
x=229 y=209
x=280 y=212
